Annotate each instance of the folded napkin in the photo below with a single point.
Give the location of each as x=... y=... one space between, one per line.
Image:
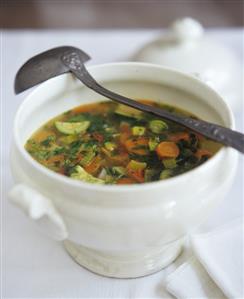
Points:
x=216 y=269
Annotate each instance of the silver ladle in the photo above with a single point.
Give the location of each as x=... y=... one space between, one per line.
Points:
x=65 y=59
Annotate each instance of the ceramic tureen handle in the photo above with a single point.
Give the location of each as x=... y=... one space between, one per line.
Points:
x=40 y=209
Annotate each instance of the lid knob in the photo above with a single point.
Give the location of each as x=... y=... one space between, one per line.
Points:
x=186 y=29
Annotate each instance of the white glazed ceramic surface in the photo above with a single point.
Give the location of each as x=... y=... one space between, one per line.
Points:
x=120 y=231
x=185 y=47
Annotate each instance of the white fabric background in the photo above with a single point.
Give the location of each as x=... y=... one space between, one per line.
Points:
x=35 y=266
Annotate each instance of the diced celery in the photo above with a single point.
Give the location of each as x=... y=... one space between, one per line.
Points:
x=70 y=128
x=81 y=174
x=149 y=173
x=153 y=142
x=110 y=179
x=165 y=174
x=110 y=146
x=118 y=170
x=135 y=165
x=157 y=126
x=87 y=158
x=169 y=163
x=138 y=131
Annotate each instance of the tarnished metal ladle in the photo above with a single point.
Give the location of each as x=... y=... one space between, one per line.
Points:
x=70 y=59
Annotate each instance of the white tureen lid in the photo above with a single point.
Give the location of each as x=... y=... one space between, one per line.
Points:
x=185 y=47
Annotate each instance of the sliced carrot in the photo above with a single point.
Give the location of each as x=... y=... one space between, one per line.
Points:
x=137 y=146
x=125 y=128
x=179 y=136
x=125 y=132
x=167 y=149
x=121 y=159
x=94 y=166
x=126 y=181
x=84 y=108
x=138 y=174
x=123 y=137
x=202 y=152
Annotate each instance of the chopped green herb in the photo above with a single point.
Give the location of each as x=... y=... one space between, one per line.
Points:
x=47 y=142
x=87 y=158
x=118 y=145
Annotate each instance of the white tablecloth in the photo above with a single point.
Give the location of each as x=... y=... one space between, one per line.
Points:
x=33 y=265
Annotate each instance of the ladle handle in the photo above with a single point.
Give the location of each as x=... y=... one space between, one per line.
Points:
x=215 y=132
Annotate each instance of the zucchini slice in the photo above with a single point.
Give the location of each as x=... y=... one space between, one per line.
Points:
x=81 y=174
x=128 y=111
x=69 y=128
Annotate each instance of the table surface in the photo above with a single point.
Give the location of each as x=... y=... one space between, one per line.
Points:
x=35 y=266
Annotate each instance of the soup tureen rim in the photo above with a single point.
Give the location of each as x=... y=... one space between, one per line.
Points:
x=115 y=188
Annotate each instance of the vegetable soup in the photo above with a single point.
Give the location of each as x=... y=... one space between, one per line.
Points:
x=109 y=143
